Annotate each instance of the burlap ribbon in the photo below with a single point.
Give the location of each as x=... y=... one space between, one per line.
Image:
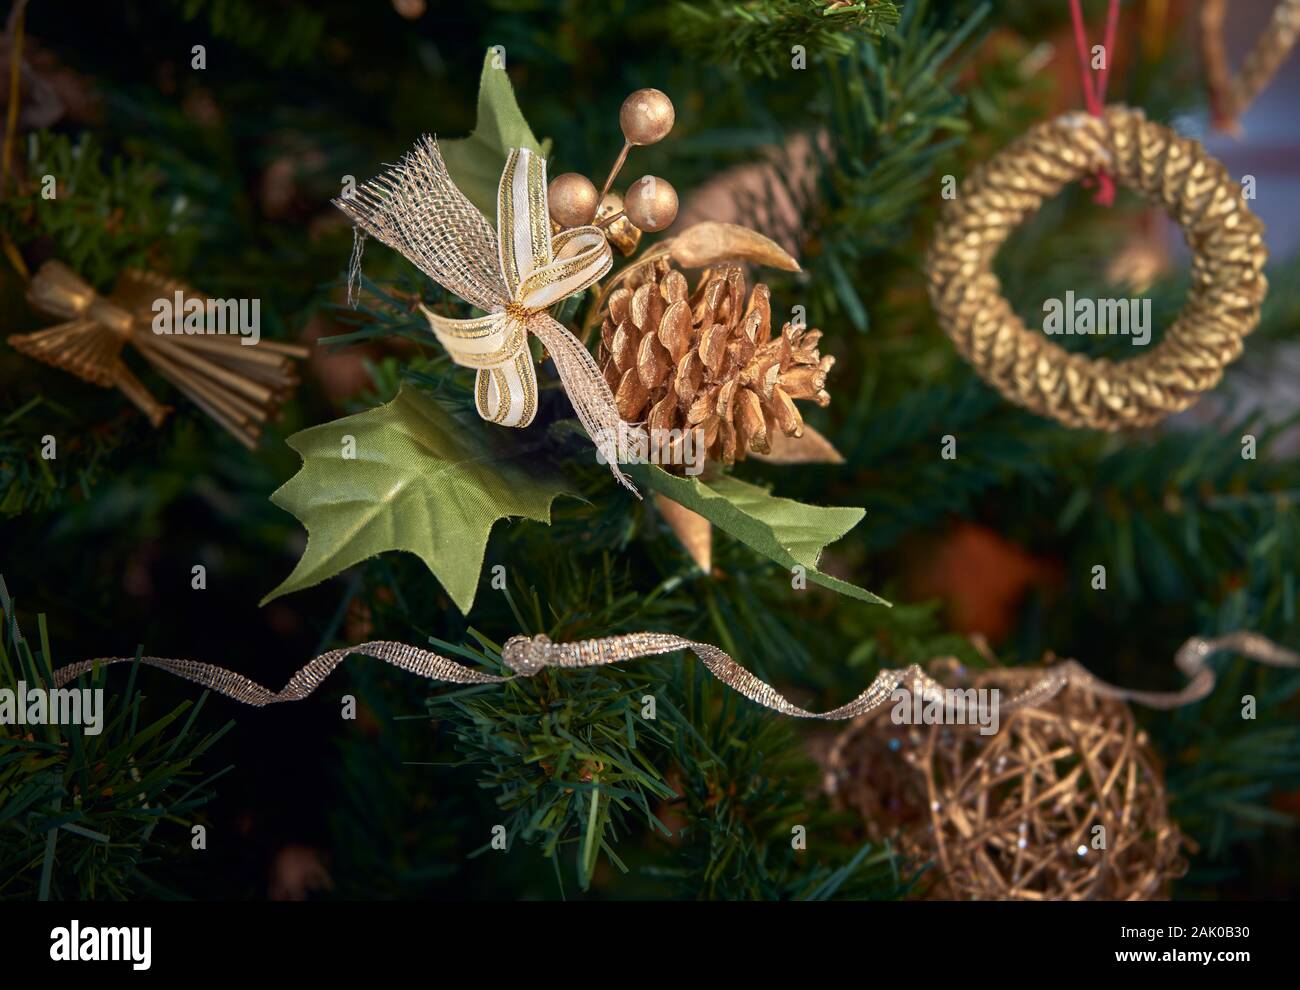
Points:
x=529 y=655
x=514 y=273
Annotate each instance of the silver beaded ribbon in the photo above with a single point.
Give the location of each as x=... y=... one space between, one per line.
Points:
x=529 y=655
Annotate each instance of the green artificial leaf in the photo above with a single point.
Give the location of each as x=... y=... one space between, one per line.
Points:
x=475 y=162
x=424 y=479
x=781 y=529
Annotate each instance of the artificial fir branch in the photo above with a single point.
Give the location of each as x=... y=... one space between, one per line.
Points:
x=757 y=35
x=85 y=816
x=95 y=216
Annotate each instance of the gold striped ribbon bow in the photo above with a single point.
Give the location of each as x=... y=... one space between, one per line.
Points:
x=514 y=273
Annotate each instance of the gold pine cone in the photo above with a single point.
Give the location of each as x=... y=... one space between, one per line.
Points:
x=706 y=360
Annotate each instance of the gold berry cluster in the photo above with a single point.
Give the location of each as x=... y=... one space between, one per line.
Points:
x=650 y=203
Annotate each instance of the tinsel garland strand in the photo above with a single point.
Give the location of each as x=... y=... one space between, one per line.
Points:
x=527 y=656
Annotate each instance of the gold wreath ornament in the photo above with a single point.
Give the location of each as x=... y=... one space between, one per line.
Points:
x=240 y=387
x=1231 y=95
x=1227 y=272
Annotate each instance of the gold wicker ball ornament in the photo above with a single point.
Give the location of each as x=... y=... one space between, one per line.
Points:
x=1223 y=304
x=1066 y=801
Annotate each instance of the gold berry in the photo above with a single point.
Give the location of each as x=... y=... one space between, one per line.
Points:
x=646 y=116
x=572 y=199
x=651 y=203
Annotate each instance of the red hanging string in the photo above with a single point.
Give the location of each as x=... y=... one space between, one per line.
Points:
x=1094 y=89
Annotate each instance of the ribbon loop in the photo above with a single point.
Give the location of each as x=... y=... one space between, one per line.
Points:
x=1094 y=88
x=523 y=219
x=583 y=259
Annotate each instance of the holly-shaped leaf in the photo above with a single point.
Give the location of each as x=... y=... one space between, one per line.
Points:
x=475 y=162
x=781 y=529
x=410 y=475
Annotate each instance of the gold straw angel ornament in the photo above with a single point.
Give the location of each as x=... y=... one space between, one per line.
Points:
x=241 y=388
x=516 y=272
